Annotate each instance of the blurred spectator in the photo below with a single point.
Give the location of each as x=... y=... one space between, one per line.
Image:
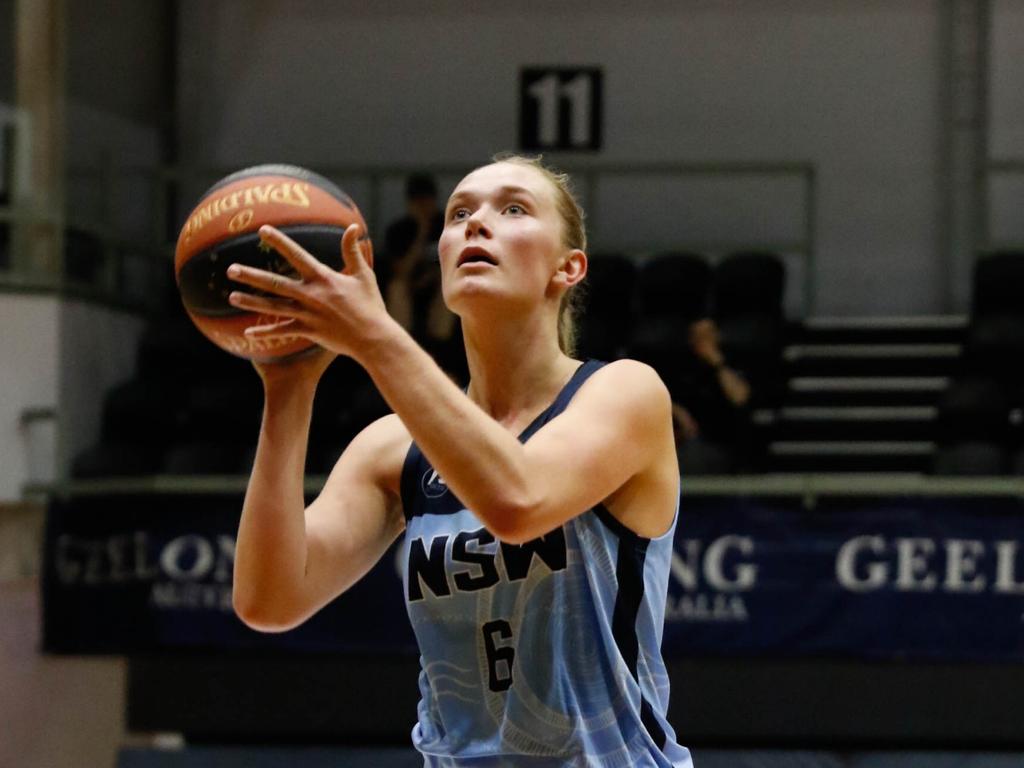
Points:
x=710 y=405
x=410 y=277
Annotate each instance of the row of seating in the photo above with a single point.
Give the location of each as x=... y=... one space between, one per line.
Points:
x=994 y=343
x=190 y=408
x=644 y=310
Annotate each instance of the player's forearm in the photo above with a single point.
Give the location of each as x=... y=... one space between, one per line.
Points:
x=479 y=460
x=270 y=554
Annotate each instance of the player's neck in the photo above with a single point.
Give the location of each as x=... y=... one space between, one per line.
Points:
x=515 y=369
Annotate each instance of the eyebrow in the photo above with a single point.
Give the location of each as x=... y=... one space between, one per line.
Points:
x=502 y=191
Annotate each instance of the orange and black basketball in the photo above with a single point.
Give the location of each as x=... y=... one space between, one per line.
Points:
x=223 y=230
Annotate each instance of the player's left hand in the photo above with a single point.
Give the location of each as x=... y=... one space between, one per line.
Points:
x=341 y=311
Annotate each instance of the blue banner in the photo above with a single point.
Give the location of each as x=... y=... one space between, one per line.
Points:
x=913 y=578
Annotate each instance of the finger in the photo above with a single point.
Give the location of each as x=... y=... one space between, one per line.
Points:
x=279 y=329
x=304 y=262
x=268 y=305
x=353 y=250
x=269 y=282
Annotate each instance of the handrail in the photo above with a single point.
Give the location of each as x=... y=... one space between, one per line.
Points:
x=1008 y=165
x=586 y=172
x=809 y=487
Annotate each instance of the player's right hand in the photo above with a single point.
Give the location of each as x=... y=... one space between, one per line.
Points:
x=305 y=368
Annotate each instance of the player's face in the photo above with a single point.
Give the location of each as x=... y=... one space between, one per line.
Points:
x=502 y=237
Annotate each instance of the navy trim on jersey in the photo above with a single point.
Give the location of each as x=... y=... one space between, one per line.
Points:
x=615 y=524
x=415 y=501
x=629 y=572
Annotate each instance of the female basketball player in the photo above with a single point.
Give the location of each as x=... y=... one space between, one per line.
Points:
x=538 y=506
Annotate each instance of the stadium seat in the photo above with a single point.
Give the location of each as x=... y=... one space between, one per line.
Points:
x=973 y=407
x=673 y=284
x=748 y=307
x=118 y=459
x=226 y=410
x=971 y=458
x=672 y=290
x=83 y=256
x=997 y=280
x=201 y=457
x=607 y=321
x=995 y=337
x=697 y=457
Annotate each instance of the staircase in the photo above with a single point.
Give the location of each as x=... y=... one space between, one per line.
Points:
x=861 y=394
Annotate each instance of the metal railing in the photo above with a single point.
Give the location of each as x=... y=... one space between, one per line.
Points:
x=994 y=168
x=807 y=488
x=128 y=267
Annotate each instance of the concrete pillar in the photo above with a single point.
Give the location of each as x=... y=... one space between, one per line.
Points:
x=964 y=149
x=37 y=241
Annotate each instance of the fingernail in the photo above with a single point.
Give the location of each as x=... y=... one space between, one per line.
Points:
x=233 y=270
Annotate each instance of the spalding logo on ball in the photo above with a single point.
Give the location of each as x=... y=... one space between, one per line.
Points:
x=223 y=230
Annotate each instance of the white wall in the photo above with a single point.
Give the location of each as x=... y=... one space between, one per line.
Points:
x=28 y=379
x=850 y=85
x=56 y=354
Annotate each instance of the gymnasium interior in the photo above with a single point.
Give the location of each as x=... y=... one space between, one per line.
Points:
x=828 y=194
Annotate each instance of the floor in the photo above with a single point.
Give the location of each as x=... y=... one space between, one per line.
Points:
x=55 y=712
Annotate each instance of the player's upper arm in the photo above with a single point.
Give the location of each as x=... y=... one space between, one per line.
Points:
x=618 y=426
x=358 y=513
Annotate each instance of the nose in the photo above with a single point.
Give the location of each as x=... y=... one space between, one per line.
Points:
x=476 y=226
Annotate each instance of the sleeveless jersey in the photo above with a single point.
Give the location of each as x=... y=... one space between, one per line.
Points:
x=541 y=655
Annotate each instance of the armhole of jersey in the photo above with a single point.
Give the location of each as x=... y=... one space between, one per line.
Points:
x=409 y=482
x=616 y=526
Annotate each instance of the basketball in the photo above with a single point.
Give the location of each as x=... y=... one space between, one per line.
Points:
x=223 y=229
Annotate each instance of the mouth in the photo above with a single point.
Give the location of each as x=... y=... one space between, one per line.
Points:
x=475 y=255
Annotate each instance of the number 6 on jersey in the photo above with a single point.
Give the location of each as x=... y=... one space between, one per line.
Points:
x=496 y=681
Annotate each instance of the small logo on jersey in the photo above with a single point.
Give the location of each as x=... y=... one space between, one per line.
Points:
x=434 y=486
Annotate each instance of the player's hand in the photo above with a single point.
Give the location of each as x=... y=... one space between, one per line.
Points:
x=306 y=367
x=343 y=311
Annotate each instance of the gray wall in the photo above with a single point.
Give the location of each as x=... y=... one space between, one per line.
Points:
x=849 y=85
x=1007 y=122
x=7 y=51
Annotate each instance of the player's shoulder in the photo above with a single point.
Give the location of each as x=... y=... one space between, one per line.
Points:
x=383 y=445
x=629 y=383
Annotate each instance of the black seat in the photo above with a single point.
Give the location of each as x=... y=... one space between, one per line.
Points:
x=995 y=338
x=606 y=324
x=672 y=291
x=1016 y=463
x=748 y=307
x=206 y=457
x=673 y=284
x=226 y=410
x=116 y=459
x=751 y=282
x=973 y=407
x=969 y=458
x=83 y=256
x=997 y=280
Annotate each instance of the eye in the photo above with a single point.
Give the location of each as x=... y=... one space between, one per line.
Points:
x=515 y=209
x=459 y=213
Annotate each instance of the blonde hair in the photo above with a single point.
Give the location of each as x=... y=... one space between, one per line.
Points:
x=574 y=235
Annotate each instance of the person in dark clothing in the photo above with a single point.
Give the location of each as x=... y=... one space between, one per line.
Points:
x=710 y=399
x=410 y=279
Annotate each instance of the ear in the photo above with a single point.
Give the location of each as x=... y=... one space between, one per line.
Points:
x=573 y=269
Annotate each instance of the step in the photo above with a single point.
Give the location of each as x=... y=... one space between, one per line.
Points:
x=906 y=360
x=850 y=456
x=887 y=330
x=864 y=390
x=832 y=423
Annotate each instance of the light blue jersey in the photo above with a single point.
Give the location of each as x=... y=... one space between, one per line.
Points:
x=540 y=655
